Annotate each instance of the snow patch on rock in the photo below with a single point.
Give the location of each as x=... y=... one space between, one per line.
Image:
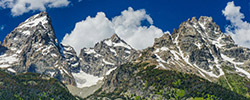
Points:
x=83 y=79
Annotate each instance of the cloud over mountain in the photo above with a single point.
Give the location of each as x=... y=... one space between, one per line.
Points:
x=128 y=26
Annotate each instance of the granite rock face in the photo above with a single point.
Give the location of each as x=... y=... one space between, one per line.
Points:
x=93 y=64
x=71 y=57
x=36 y=49
x=199 y=46
x=106 y=55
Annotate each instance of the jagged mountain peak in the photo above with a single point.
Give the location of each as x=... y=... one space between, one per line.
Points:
x=42 y=19
x=109 y=53
x=200 y=45
x=115 y=41
x=205 y=19
x=36 y=29
x=115 y=38
x=39 y=15
x=100 y=60
x=203 y=29
x=35 y=48
x=202 y=19
x=193 y=19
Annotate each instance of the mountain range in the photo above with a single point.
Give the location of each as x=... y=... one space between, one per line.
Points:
x=196 y=61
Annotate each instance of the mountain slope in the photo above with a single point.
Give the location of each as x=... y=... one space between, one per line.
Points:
x=143 y=81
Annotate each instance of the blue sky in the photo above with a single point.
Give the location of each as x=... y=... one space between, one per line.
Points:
x=166 y=14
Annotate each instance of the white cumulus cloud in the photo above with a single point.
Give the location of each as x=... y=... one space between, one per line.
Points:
x=239 y=29
x=86 y=33
x=18 y=7
x=128 y=26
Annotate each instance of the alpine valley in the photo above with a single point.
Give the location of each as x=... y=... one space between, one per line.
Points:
x=195 y=62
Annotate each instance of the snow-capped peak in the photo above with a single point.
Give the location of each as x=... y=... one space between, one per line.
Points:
x=116 y=41
x=42 y=18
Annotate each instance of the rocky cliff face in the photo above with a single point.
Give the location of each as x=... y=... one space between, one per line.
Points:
x=70 y=56
x=97 y=62
x=34 y=48
x=106 y=56
x=198 y=46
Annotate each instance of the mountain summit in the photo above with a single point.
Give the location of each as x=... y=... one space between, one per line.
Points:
x=38 y=25
x=103 y=58
x=37 y=49
x=109 y=53
x=200 y=47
